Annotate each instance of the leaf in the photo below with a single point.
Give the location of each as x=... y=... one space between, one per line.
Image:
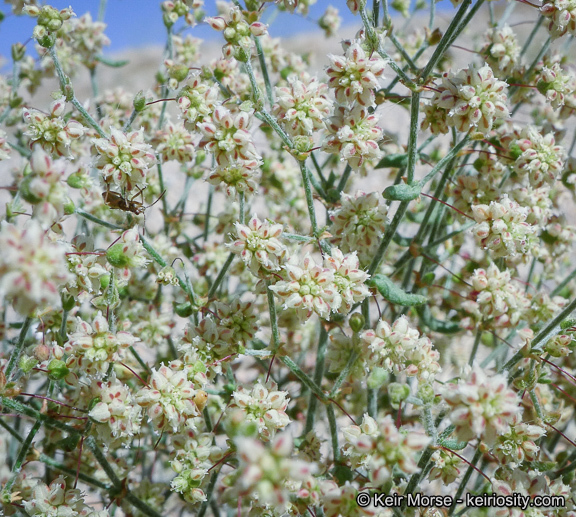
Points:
x=395 y=160
x=402 y=192
x=391 y=292
x=111 y=62
x=443 y=327
x=447 y=432
x=453 y=445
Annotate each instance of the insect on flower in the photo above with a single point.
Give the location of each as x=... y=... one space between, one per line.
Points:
x=117 y=201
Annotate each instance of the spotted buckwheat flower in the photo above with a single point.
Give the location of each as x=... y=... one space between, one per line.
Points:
x=501 y=50
x=341 y=500
x=237 y=321
x=472 y=98
x=237 y=176
x=92 y=348
x=381 y=446
x=259 y=246
x=116 y=410
x=55 y=500
x=330 y=21
x=196 y=101
x=354 y=135
x=399 y=348
x=124 y=159
x=302 y=107
x=50 y=21
x=349 y=279
x=481 y=406
x=32 y=268
x=447 y=466
x=266 y=472
x=562 y=16
x=171 y=399
x=44 y=187
x=5 y=149
x=354 y=76
x=174 y=143
x=558 y=86
x=195 y=456
x=359 y=223
x=51 y=131
x=174 y=9
x=128 y=252
x=226 y=135
x=495 y=301
x=237 y=33
x=502 y=228
x=87 y=38
x=518 y=444
x=540 y=159
x=308 y=288
x=265 y=406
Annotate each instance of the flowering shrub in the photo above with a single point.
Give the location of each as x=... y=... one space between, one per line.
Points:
x=273 y=286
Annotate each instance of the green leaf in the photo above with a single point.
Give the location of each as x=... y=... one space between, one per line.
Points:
x=453 y=445
x=443 y=327
x=391 y=292
x=402 y=192
x=447 y=432
x=393 y=160
x=112 y=62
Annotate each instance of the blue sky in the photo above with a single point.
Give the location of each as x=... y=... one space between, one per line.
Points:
x=136 y=23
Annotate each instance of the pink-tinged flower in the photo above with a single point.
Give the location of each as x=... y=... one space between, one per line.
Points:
x=32 y=268
x=502 y=228
x=501 y=50
x=471 y=99
x=562 y=16
x=359 y=223
x=301 y=107
x=92 y=348
x=354 y=136
x=541 y=160
x=349 y=279
x=482 y=406
x=259 y=246
x=196 y=101
x=57 y=500
x=171 y=399
x=226 y=135
x=308 y=288
x=354 y=76
x=175 y=143
x=236 y=176
x=51 y=131
x=399 y=348
x=124 y=159
x=380 y=447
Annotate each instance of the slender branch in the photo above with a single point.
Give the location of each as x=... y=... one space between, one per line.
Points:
x=15 y=355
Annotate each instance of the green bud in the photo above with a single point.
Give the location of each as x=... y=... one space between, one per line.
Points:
x=357 y=322
x=184 y=310
x=570 y=322
x=105 y=281
x=27 y=363
x=378 y=377
x=57 y=370
x=398 y=392
x=26 y=193
x=139 y=102
x=426 y=393
x=514 y=152
x=179 y=72
x=78 y=179
x=68 y=301
x=69 y=207
x=116 y=256
x=18 y=51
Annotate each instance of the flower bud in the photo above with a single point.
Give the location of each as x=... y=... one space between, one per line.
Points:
x=57 y=370
x=184 y=310
x=398 y=392
x=139 y=102
x=27 y=363
x=378 y=377
x=426 y=393
x=357 y=322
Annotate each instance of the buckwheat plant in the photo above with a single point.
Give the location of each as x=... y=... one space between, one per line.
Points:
x=266 y=282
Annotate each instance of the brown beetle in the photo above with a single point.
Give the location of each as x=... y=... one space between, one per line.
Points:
x=117 y=201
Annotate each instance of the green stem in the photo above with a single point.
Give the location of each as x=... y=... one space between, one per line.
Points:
x=264 y=70
x=542 y=337
x=15 y=355
x=241 y=199
x=344 y=179
x=413 y=136
x=564 y=283
x=220 y=277
x=309 y=198
x=532 y=35
x=537 y=405
x=465 y=480
x=344 y=374
x=452 y=30
x=208 y=210
x=475 y=346
x=333 y=433
x=297 y=371
x=209 y=492
x=273 y=318
x=415 y=478
x=318 y=376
